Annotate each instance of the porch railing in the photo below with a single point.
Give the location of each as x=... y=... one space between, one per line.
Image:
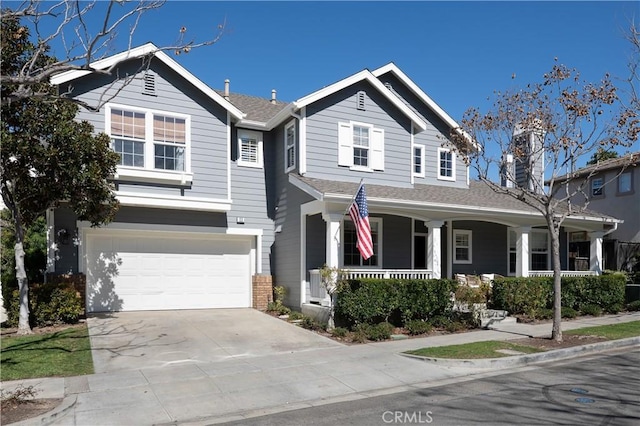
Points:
x=563 y=273
x=317 y=292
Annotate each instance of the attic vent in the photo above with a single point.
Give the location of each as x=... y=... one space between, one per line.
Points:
x=360 y=100
x=388 y=85
x=149 y=84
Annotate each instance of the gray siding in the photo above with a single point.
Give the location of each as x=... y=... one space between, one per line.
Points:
x=489 y=248
x=67 y=255
x=316 y=242
x=432 y=138
x=174 y=95
x=323 y=117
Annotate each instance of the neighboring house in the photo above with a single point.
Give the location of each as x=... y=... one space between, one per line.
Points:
x=612 y=187
x=220 y=190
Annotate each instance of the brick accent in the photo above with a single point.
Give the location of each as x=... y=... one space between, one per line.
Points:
x=262 y=291
x=79 y=282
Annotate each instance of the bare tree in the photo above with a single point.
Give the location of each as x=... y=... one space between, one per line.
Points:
x=87 y=31
x=535 y=136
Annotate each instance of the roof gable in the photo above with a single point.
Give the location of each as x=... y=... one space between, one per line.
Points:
x=144 y=50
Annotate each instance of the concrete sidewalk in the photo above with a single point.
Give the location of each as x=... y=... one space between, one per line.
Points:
x=243 y=387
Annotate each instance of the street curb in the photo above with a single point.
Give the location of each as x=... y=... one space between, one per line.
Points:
x=51 y=416
x=520 y=360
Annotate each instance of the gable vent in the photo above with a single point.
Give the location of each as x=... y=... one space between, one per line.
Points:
x=360 y=100
x=149 y=84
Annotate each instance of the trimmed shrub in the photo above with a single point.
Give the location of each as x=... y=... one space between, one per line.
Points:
x=49 y=304
x=522 y=295
x=381 y=331
x=339 y=332
x=416 y=327
x=591 y=309
x=455 y=326
x=568 y=312
x=440 y=321
x=634 y=306
x=424 y=299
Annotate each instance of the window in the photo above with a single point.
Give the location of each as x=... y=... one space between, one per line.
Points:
x=290 y=146
x=625 y=182
x=597 y=187
x=249 y=148
x=418 y=160
x=149 y=143
x=538 y=250
x=351 y=255
x=446 y=164
x=360 y=146
x=461 y=246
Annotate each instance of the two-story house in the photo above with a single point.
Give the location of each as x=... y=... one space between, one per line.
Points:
x=220 y=191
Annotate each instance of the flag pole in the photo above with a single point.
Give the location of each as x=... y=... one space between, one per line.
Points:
x=349 y=205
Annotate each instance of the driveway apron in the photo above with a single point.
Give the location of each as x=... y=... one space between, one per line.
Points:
x=135 y=340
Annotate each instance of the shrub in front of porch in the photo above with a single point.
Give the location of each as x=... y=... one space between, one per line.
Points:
x=533 y=296
x=371 y=301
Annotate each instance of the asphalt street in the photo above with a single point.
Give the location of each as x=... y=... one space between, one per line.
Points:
x=600 y=389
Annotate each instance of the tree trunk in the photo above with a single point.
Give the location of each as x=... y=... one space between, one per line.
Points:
x=21 y=276
x=554 y=232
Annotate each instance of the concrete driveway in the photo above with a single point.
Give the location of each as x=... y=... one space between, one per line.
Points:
x=135 y=340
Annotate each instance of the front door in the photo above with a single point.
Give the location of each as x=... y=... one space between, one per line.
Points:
x=420 y=251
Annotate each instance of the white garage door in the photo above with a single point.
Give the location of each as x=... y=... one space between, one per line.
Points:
x=136 y=271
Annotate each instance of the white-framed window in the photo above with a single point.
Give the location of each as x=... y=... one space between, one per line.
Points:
x=152 y=144
x=290 y=146
x=418 y=160
x=350 y=254
x=625 y=182
x=360 y=146
x=538 y=250
x=597 y=187
x=446 y=164
x=250 y=148
x=462 y=246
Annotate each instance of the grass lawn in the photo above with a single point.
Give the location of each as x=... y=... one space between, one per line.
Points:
x=611 y=332
x=61 y=353
x=473 y=350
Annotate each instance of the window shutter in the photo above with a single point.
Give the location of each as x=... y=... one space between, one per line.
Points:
x=345 y=145
x=377 y=149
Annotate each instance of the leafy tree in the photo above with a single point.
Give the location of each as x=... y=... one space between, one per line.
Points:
x=541 y=131
x=86 y=31
x=47 y=156
x=601 y=155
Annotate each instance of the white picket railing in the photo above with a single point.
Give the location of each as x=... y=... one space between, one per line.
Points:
x=317 y=292
x=562 y=273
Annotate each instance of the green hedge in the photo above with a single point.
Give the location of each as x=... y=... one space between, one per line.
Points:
x=371 y=301
x=49 y=304
x=531 y=296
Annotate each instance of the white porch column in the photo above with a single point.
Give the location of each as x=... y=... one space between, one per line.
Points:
x=595 y=252
x=449 y=249
x=434 y=248
x=333 y=236
x=522 y=251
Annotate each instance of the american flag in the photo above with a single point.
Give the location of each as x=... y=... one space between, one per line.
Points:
x=360 y=216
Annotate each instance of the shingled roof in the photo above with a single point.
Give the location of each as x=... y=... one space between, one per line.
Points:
x=256 y=108
x=628 y=160
x=478 y=196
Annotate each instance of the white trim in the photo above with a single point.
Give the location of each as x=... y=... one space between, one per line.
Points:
x=372 y=220
x=228 y=156
x=144 y=50
x=286 y=146
x=172 y=202
x=449 y=244
x=306 y=209
x=439 y=175
x=302 y=154
x=411 y=144
x=152 y=176
x=364 y=75
x=455 y=233
x=259 y=137
x=413 y=159
x=391 y=67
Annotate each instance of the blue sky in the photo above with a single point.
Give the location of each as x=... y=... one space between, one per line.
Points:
x=458 y=52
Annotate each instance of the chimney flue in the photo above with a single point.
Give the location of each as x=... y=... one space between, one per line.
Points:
x=273 y=96
x=226 y=89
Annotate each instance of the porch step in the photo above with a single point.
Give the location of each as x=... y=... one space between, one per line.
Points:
x=495 y=316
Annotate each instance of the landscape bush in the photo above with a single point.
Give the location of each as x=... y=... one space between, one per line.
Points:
x=49 y=304
x=417 y=327
x=634 y=306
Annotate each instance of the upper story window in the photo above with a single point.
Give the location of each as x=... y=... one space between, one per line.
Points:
x=360 y=146
x=446 y=164
x=149 y=141
x=351 y=254
x=250 y=148
x=625 y=182
x=290 y=146
x=418 y=160
x=462 y=246
x=597 y=187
